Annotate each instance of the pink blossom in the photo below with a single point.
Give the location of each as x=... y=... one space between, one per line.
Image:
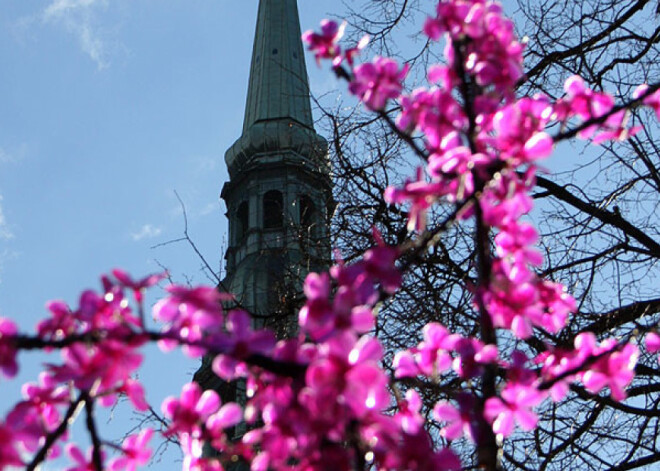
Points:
x=137 y=286
x=652 y=100
x=37 y=415
x=316 y=315
x=60 y=325
x=9 y=455
x=515 y=406
x=106 y=366
x=191 y=410
x=203 y=298
x=515 y=241
x=583 y=102
x=135 y=393
x=325 y=45
x=227 y=416
x=556 y=364
x=433 y=112
x=614 y=366
x=653 y=342
x=493 y=55
x=408 y=416
x=472 y=354
x=192 y=456
x=242 y=341
x=459 y=421
x=507 y=198
x=380 y=264
x=8 y=364
x=366 y=389
x=135 y=452
x=191 y=314
x=405 y=365
x=82 y=462
x=378 y=81
x=432 y=355
x=519 y=130
x=420 y=194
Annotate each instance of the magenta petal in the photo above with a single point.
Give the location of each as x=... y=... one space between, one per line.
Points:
x=362 y=319
x=75 y=454
x=229 y=415
x=574 y=85
x=238 y=322
x=538 y=146
x=652 y=342
x=366 y=349
x=190 y=394
x=404 y=365
x=208 y=403
x=167 y=345
x=135 y=393
x=594 y=381
x=453 y=430
x=503 y=424
x=521 y=327
x=526 y=419
x=494 y=407
x=444 y=411
x=226 y=367
x=169 y=406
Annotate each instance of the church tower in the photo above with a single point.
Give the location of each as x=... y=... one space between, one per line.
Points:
x=279 y=194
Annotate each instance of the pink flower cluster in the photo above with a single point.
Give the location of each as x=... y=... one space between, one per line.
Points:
x=608 y=364
x=323 y=399
x=374 y=83
x=441 y=351
x=199 y=417
x=98 y=344
x=8 y=363
x=492 y=54
x=482 y=148
x=377 y=82
x=342 y=396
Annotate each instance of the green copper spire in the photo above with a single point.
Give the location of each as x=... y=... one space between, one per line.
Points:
x=278 y=114
x=278 y=76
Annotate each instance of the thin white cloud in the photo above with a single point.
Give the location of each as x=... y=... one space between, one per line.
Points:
x=15 y=155
x=147 y=231
x=210 y=208
x=79 y=18
x=5 y=232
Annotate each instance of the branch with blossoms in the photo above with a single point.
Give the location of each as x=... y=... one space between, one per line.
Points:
x=482 y=145
x=323 y=399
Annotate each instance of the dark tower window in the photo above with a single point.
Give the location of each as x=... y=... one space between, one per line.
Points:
x=275 y=51
x=242 y=219
x=273 y=214
x=307 y=212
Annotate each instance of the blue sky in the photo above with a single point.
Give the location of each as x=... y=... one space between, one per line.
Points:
x=107 y=107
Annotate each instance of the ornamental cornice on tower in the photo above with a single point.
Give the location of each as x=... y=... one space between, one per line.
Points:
x=278 y=114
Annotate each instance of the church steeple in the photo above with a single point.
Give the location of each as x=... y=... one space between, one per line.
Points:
x=278 y=87
x=278 y=113
x=279 y=190
x=279 y=194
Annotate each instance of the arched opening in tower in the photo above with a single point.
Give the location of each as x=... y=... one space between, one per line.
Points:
x=273 y=210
